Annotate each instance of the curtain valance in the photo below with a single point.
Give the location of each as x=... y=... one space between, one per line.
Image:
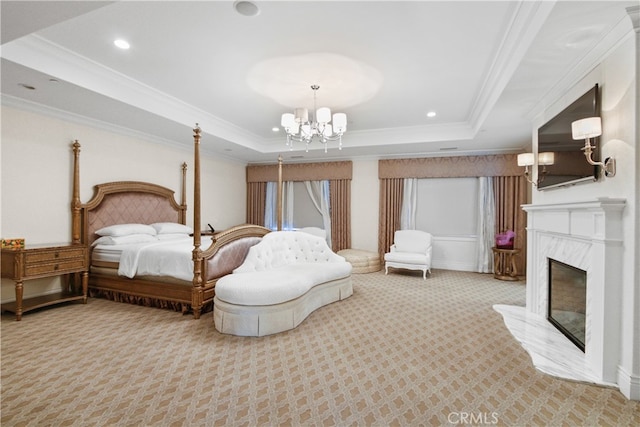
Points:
x=450 y=167
x=301 y=171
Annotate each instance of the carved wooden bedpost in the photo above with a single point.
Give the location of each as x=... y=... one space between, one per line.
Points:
x=197 y=298
x=279 y=193
x=75 y=201
x=183 y=198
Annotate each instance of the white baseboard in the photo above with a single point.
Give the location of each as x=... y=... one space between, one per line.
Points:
x=444 y=264
x=628 y=384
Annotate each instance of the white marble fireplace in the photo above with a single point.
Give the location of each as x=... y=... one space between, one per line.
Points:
x=586 y=235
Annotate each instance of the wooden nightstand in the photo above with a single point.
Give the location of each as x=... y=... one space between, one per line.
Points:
x=38 y=261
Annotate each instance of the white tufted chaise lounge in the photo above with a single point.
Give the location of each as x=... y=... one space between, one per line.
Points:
x=283 y=279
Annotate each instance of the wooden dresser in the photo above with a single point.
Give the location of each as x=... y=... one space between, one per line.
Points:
x=38 y=261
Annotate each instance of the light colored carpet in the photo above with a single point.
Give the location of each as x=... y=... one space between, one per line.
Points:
x=401 y=351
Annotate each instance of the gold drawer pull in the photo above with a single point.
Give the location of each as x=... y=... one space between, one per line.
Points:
x=57 y=254
x=55 y=267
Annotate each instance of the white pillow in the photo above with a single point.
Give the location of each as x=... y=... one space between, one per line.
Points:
x=126 y=229
x=171 y=228
x=123 y=240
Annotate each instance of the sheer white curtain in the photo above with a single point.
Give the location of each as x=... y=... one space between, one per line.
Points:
x=409 y=204
x=270 y=212
x=319 y=194
x=271 y=201
x=287 y=209
x=486 y=225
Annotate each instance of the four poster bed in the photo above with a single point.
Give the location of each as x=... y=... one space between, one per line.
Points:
x=141 y=249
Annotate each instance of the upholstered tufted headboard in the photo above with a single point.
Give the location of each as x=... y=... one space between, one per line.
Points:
x=129 y=202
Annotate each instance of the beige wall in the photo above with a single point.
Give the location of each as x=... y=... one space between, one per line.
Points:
x=36 y=173
x=365 y=196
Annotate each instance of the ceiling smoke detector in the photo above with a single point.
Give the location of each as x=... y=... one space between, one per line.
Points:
x=246 y=8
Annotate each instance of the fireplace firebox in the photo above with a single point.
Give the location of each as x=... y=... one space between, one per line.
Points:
x=568 y=301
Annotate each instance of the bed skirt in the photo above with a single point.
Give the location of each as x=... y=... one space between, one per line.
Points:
x=147 y=301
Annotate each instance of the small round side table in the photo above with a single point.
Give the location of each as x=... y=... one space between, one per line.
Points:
x=504 y=264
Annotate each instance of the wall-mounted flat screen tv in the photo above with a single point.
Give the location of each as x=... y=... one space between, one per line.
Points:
x=570 y=166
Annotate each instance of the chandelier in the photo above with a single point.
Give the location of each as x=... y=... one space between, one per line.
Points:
x=300 y=128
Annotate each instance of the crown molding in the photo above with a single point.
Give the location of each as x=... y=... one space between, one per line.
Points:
x=526 y=21
x=393 y=136
x=55 y=113
x=52 y=59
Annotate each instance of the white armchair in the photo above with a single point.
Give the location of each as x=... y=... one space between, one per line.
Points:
x=411 y=250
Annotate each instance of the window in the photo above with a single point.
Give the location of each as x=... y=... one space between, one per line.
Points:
x=305 y=213
x=447 y=206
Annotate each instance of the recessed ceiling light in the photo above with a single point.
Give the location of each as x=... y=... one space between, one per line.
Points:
x=431 y=114
x=122 y=44
x=275 y=129
x=246 y=8
x=27 y=86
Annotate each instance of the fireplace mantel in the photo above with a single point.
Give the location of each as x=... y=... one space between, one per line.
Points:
x=587 y=235
x=598 y=219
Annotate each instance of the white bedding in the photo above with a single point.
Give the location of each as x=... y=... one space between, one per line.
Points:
x=104 y=253
x=160 y=258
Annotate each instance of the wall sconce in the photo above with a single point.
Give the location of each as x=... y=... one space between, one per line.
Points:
x=588 y=128
x=528 y=159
